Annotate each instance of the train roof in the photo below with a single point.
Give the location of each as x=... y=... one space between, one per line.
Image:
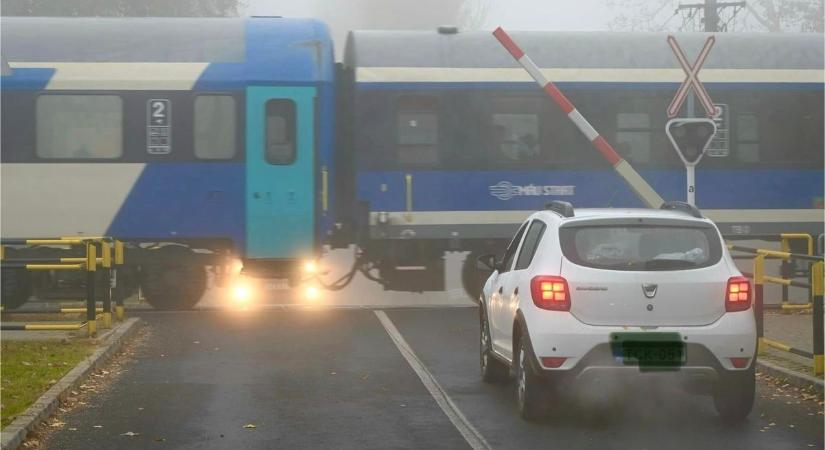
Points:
x=550 y=49
x=266 y=49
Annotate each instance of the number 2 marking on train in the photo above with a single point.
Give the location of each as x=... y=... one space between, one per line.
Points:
x=158 y=127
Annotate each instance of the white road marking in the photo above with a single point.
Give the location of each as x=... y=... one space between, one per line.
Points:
x=471 y=435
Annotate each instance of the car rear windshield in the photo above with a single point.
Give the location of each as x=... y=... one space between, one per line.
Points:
x=641 y=247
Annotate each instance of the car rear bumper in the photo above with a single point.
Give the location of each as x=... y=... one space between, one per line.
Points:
x=707 y=349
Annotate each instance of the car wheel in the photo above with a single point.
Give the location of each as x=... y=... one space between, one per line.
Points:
x=492 y=370
x=734 y=394
x=530 y=391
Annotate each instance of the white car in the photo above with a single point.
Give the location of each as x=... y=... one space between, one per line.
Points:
x=591 y=295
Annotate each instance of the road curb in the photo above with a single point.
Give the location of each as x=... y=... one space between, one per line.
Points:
x=793 y=378
x=15 y=433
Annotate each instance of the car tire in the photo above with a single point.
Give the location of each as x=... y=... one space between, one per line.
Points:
x=531 y=393
x=492 y=369
x=734 y=395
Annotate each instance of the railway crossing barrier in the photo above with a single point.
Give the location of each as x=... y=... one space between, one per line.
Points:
x=89 y=263
x=787 y=269
x=816 y=287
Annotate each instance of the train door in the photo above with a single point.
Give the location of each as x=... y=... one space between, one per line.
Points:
x=280 y=160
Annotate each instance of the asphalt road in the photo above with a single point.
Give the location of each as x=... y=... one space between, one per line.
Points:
x=333 y=378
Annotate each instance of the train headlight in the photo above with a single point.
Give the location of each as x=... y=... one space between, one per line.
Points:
x=312 y=293
x=241 y=294
x=310 y=267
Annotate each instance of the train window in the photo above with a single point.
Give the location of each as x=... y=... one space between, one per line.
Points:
x=214 y=127
x=280 y=131
x=633 y=136
x=747 y=135
x=79 y=126
x=417 y=121
x=516 y=129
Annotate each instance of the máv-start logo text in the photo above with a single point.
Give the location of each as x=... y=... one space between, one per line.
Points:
x=505 y=190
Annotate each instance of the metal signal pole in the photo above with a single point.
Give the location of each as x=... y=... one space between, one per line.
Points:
x=710 y=12
x=711 y=16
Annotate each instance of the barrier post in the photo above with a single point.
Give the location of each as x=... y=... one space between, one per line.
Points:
x=107 y=293
x=817 y=289
x=91 y=263
x=118 y=286
x=758 y=306
x=785 y=272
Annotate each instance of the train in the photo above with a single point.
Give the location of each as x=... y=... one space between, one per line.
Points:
x=203 y=141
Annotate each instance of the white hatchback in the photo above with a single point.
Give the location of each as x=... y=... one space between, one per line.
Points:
x=592 y=295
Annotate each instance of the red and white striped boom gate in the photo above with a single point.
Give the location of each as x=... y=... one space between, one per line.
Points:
x=638 y=184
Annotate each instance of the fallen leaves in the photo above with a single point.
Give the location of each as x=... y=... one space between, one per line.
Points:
x=130 y=434
x=250 y=426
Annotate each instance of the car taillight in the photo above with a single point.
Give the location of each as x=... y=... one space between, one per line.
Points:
x=550 y=292
x=738 y=295
x=740 y=363
x=553 y=362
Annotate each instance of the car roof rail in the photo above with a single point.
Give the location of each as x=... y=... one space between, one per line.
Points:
x=683 y=207
x=564 y=209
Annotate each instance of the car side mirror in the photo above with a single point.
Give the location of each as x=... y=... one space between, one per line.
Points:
x=487 y=263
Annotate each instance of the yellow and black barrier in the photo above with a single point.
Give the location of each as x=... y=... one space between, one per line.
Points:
x=816 y=287
x=786 y=268
x=43 y=326
x=89 y=263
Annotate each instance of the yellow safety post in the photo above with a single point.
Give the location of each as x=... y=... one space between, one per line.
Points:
x=118 y=291
x=785 y=268
x=118 y=252
x=91 y=265
x=106 y=249
x=758 y=306
x=817 y=289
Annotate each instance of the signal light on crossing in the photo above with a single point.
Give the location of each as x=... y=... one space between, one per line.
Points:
x=690 y=137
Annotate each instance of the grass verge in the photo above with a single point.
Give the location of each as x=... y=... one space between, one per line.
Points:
x=29 y=368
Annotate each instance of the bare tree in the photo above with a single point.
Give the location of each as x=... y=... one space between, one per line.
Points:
x=473 y=14
x=757 y=15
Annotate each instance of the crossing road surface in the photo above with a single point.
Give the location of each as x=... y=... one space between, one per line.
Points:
x=335 y=378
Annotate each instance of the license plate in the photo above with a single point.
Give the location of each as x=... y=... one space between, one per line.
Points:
x=649 y=351
x=277 y=285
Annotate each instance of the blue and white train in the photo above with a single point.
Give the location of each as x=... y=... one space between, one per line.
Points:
x=454 y=143
x=241 y=138
x=209 y=133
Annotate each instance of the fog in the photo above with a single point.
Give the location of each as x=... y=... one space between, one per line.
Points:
x=345 y=15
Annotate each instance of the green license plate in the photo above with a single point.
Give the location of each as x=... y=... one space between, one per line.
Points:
x=648 y=351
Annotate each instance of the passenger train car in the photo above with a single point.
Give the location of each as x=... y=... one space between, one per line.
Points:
x=212 y=134
x=455 y=144
x=201 y=140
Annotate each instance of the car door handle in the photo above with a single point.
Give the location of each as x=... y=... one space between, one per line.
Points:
x=501 y=289
x=515 y=292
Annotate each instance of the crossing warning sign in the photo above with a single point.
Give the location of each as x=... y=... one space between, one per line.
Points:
x=692 y=79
